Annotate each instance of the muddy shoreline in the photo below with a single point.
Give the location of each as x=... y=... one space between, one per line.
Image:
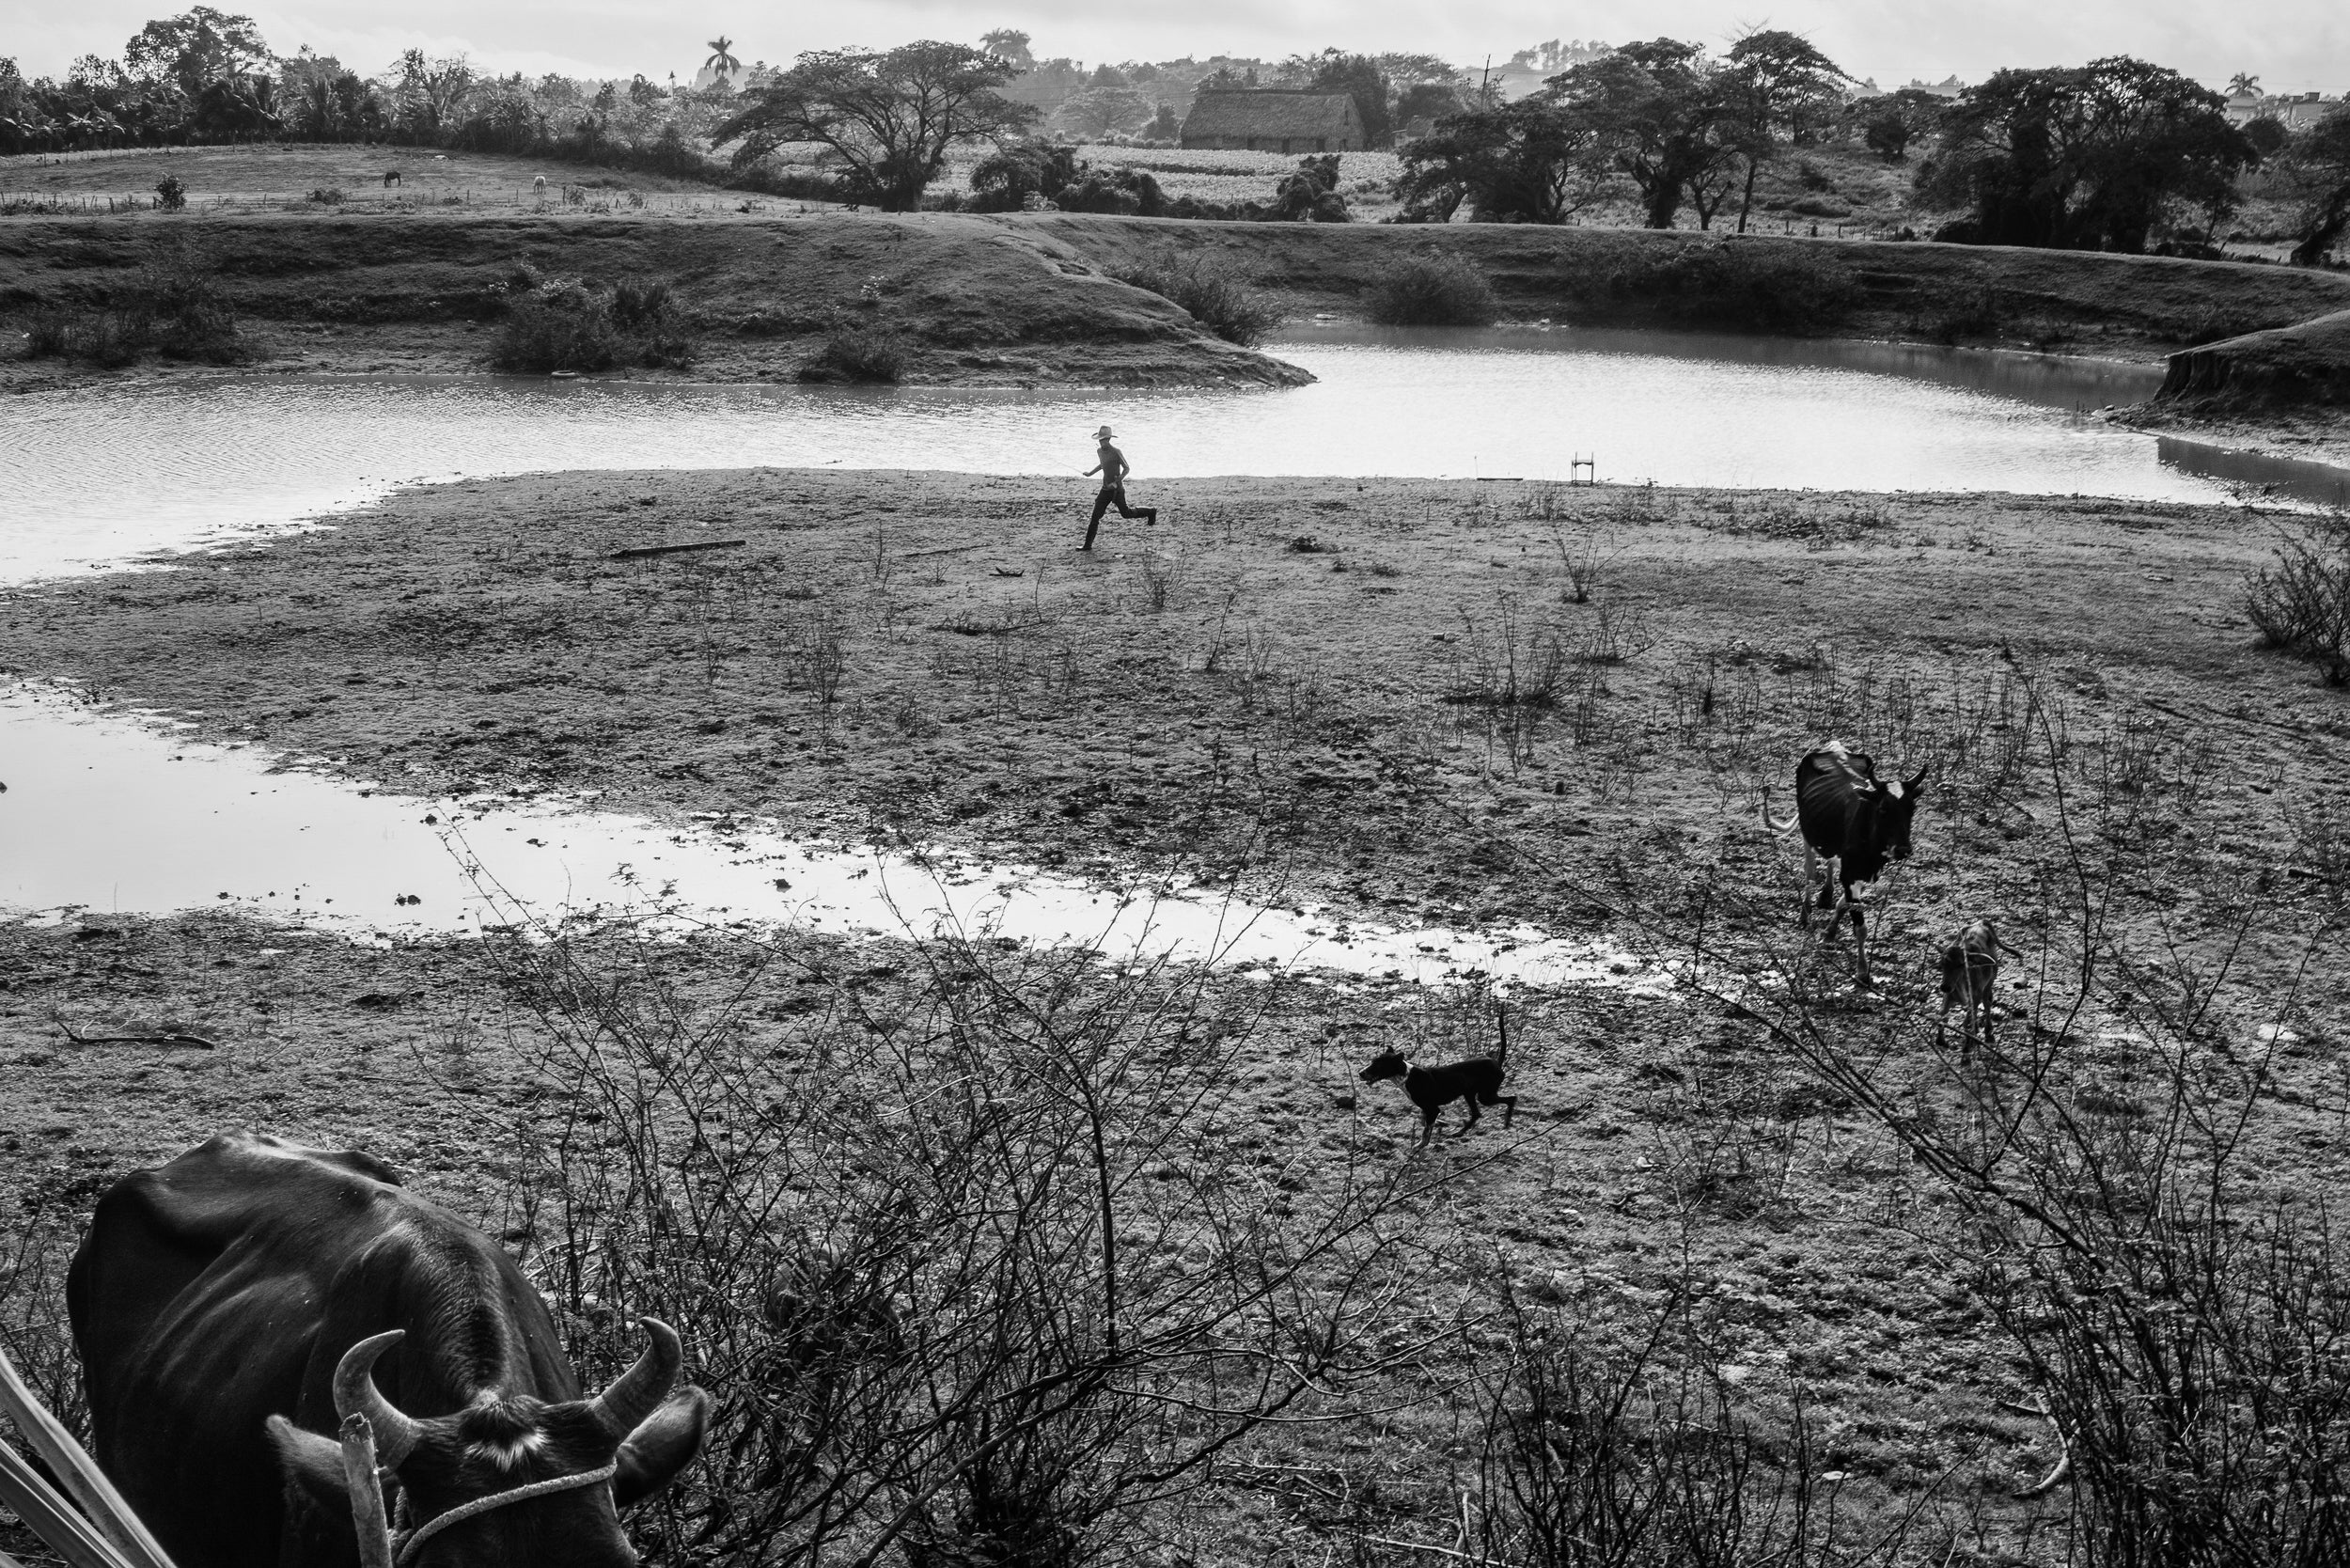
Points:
x=1287 y=684
x=1476 y=703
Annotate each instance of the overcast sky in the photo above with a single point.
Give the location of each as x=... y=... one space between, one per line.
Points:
x=2289 y=44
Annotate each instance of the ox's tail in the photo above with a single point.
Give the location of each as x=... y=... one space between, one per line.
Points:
x=1772 y=825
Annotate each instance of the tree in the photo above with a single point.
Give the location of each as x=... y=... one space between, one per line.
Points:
x=1778 y=90
x=1165 y=126
x=2085 y=157
x=1361 y=77
x=1008 y=45
x=2244 y=86
x=1659 y=116
x=2267 y=134
x=1092 y=112
x=887 y=116
x=195 y=49
x=1427 y=101
x=2317 y=172
x=426 y=94
x=1535 y=161
x=1891 y=123
x=721 y=64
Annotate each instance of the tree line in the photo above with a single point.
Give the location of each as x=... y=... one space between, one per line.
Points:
x=207 y=77
x=2112 y=155
x=2105 y=156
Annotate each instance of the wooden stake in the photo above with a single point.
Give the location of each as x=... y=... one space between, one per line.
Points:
x=366 y=1493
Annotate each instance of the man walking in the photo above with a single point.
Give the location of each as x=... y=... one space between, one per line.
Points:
x=1112 y=464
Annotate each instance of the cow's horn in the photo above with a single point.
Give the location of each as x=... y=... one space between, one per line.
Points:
x=637 y=1393
x=356 y=1395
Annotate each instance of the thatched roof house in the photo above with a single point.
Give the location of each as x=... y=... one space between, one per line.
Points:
x=1273 y=119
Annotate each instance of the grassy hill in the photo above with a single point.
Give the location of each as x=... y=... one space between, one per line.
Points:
x=325 y=267
x=423 y=289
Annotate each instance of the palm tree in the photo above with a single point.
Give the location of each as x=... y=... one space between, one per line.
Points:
x=720 y=63
x=2243 y=85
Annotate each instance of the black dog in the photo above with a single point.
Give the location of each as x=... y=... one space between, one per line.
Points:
x=1431 y=1088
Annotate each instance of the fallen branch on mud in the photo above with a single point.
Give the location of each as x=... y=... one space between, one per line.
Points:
x=640 y=551
x=169 y=1037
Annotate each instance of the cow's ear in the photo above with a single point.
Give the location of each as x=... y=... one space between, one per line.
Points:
x=313 y=1465
x=664 y=1443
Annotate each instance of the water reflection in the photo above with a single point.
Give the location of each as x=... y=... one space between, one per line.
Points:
x=2292 y=479
x=2045 y=380
x=99 y=473
x=115 y=817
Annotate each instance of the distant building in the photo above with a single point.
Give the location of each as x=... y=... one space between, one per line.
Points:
x=1273 y=119
x=2294 y=111
x=1950 y=86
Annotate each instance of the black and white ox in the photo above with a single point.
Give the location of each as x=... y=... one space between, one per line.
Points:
x=232 y=1306
x=1854 y=819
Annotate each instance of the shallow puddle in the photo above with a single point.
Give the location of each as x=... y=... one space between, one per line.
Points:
x=105 y=815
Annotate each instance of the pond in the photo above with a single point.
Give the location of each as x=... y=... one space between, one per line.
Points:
x=102 y=474
x=107 y=814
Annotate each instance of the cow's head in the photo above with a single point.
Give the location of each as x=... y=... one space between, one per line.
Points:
x=1890 y=808
x=644 y=1426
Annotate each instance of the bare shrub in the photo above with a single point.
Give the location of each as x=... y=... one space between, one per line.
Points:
x=1506 y=662
x=1583 y=557
x=2300 y=604
x=564 y=324
x=1215 y=296
x=859 y=355
x=175 y=307
x=1160 y=579
x=964 y=1262
x=1610 y=1441
x=1431 y=287
x=1616 y=635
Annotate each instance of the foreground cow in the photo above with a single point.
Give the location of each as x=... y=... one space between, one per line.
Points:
x=1857 y=819
x=231 y=1307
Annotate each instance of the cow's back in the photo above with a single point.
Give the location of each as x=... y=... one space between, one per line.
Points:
x=1830 y=784
x=196 y=1300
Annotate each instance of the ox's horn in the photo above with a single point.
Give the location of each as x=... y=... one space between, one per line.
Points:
x=637 y=1393
x=356 y=1395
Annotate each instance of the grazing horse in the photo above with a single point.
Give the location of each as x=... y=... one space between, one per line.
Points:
x=1854 y=819
x=391 y=178
x=540 y=184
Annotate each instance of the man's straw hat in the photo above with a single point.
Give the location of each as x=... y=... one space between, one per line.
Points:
x=1101 y=434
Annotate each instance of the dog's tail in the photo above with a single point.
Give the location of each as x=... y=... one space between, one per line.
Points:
x=1501 y=1023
